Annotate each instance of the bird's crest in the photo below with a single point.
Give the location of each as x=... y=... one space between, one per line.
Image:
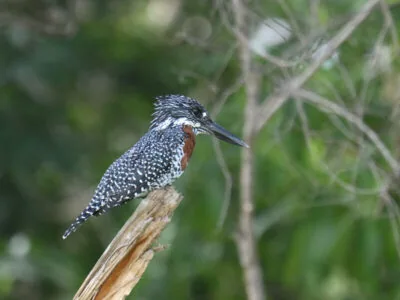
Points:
x=176 y=110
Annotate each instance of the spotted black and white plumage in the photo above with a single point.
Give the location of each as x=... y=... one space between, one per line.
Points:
x=157 y=159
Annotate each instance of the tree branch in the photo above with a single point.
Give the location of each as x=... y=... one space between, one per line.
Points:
x=126 y=258
x=336 y=109
x=245 y=238
x=274 y=102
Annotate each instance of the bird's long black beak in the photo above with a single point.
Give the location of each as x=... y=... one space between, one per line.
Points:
x=224 y=135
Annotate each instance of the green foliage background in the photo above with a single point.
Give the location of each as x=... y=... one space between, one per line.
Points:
x=69 y=105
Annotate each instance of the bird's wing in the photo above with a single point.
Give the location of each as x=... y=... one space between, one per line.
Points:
x=144 y=167
x=136 y=178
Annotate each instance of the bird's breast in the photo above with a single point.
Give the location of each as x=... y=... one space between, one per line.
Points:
x=188 y=145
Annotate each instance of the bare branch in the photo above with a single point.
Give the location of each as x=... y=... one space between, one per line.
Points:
x=274 y=102
x=389 y=20
x=394 y=223
x=126 y=258
x=277 y=61
x=293 y=22
x=228 y=183
x=219 y=156
x=304 y=123
x=340 y=111
x=245 y=237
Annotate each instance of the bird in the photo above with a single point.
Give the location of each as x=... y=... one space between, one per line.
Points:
x=157 y=159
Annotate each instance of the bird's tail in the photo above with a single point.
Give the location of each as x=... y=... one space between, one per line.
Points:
x=89 y=211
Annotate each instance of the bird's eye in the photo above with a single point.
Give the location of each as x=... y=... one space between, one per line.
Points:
x=198 y=113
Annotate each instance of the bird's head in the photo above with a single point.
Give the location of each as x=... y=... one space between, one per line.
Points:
x=178 y=110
